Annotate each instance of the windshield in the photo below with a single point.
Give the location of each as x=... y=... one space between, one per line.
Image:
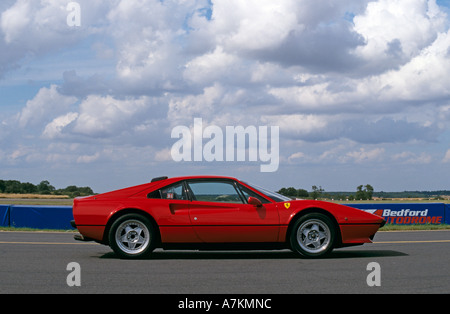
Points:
x=273 y=195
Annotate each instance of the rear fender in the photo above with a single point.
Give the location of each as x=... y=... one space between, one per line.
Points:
x=124 y=211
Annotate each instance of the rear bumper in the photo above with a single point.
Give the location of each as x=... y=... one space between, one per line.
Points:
x=90 y=233
x=80 y=237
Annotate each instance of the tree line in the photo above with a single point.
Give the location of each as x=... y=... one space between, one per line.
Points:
x=44 y=187
x=363 y=192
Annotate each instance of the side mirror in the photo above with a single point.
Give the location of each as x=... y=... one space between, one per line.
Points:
x=254 y=201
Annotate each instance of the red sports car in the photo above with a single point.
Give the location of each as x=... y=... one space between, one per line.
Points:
x=211 y=212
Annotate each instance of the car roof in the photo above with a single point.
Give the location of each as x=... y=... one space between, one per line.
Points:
x=180 y=178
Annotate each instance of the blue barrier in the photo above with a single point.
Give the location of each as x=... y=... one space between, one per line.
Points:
x=4 y=215
x=59 y=217
x=408 y=213
x=447 y=214
x=40 y=217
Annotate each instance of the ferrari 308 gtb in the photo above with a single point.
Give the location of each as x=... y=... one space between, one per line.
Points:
x=211 y=212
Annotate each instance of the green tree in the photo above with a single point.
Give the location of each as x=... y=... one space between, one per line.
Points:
x=364 y=192
x=13 y=186
x=45 y=187
x=290 y=192
x=360 y=194
x=74 y=191
x=302 y=193
x=28 y=188
x=369 y=191
x=316 y=192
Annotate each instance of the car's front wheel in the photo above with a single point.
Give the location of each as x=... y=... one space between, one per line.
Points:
x=313 y=235
x=132 y=236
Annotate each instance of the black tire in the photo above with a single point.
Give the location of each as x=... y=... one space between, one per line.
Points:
x=313 y=235
x=132 y=236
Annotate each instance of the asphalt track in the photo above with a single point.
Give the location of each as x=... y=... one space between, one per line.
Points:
x=410 y=262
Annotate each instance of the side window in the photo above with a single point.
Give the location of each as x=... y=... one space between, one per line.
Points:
x=247 y=193
x=172 y=192
x=210 y=191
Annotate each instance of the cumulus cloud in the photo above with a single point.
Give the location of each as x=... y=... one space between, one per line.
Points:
x=364 y=155
x=396 y=31
x=107 y=116
x=346 y=77
x=47 y=103
x=446 y=157
x=412 y=158
x=54 y=128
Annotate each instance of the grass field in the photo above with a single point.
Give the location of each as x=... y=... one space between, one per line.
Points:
x=34 y=199
x=32 y=196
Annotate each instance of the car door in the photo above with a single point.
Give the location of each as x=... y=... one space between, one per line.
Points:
x=219 y=213
x=170 y=206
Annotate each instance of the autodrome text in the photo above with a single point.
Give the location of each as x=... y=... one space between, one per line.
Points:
x=406 y=216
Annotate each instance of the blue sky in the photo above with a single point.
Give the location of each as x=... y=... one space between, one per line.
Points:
x=358 y=88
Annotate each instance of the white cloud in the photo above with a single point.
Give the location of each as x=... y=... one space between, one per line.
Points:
x=211 y=67
x=297 y=125
x=397 y=30
x=254 y=24
x=47 y=104
x=364 y=155
x=412 y=158
x=296 y=156
x=88 y=158
x=192 y=106
x=163 y=155
x=15 y=19
x=423 y=77
x=446 y=157
x=106 y=116
x=332 y=74
x=36 y=27
x=54 y=128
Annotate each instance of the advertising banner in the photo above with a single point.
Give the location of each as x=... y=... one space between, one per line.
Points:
x=407 y=214
x=59 y=217
x=447 y=214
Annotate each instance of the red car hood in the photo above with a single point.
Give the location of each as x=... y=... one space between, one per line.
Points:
x=344 y=214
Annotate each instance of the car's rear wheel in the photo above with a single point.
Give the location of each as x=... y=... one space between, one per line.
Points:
x=132 y=236
x=313 y=235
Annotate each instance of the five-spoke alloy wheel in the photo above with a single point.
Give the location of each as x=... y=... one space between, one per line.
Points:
x=132 y=236
x=313 y=235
